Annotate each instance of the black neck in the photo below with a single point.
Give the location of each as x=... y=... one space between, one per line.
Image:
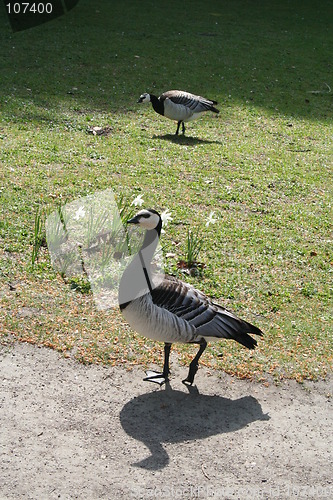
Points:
x=157 y=104
x=145 y=255
x=152 y=236
x=146 y=252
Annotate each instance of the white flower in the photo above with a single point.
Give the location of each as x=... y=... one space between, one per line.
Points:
x=138 y=201
x=166 y=218
x=80 y=213
x=211 y=219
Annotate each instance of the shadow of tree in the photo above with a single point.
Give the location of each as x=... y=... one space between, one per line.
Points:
x=171 y=416
x=274 y=55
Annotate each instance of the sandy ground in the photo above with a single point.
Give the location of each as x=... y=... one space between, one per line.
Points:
x=71 y=431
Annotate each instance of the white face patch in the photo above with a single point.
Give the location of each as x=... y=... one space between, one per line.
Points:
x=150 y=222
x=144 y=98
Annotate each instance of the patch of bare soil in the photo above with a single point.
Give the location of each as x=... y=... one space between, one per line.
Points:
x=71 y=431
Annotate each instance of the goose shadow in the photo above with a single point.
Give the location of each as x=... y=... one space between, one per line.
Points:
x=184 y=140
x=171 y=416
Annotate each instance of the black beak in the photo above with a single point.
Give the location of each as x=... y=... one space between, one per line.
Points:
x=134 y=220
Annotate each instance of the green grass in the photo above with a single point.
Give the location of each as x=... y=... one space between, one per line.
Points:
x=264 y=165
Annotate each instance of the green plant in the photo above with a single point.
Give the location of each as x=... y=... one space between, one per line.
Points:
x=38 y=236
x=193 y=246
x=79 y=284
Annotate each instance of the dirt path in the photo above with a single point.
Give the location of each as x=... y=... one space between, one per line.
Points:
x=70 y=431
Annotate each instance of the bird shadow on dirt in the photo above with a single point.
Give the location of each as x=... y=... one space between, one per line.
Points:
x=184 y=140
x=172 y=416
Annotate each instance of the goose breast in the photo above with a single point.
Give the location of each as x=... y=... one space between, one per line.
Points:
x=157 y=323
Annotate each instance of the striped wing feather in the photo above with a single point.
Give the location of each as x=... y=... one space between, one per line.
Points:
x=209 y=319
x=196 y=103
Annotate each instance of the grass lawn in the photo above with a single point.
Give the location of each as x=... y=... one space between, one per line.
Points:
x=263 y=165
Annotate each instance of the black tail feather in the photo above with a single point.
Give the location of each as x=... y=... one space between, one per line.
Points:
x=240 y=331
x=243 y=336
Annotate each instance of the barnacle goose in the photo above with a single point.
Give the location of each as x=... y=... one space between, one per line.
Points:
x=171 y=310
x=179 y=106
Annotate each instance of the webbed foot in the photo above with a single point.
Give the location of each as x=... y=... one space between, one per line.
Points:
x=187 y=381
x=157 y=377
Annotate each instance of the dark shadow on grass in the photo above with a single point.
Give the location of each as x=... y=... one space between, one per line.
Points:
x=168 y=416
x=184 y=140
x=275 y=55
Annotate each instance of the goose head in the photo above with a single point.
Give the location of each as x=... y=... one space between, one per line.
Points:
x=147 y=219
x=144 y=98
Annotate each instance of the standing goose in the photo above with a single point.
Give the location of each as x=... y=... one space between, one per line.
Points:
x=173 y=311
x=179 y=106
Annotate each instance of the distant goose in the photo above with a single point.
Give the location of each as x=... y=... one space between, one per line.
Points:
x=173 y=311
x=179 y=106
